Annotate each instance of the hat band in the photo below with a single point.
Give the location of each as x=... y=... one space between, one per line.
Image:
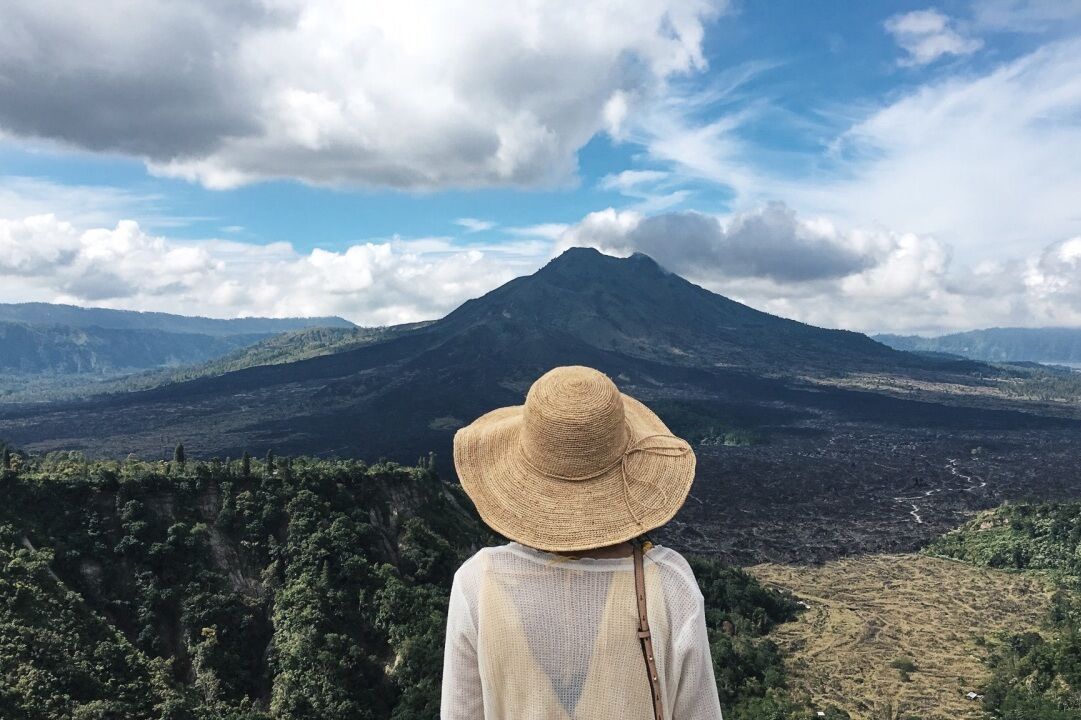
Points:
x=632 y=447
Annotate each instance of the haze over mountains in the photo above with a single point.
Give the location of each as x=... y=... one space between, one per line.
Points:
x=69 y=340
x=659 y=336
x=1051 y=345
x=51 y=314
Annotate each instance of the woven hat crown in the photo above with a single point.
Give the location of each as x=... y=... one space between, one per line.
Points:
x=573 y=425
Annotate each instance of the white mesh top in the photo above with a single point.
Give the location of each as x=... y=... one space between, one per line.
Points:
x=537 y=636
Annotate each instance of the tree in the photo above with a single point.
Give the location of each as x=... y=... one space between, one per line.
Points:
x=7 y=458
x=178 y=455
x=245 y=464
x=269 y=462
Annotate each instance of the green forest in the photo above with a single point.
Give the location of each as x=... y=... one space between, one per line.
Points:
x=274 y=587
x=1035 y=674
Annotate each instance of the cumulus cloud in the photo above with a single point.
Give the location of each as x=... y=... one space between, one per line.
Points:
x=770 y=243
x=981 y=160
x=813 y=270
x=373 y=283
x=1053 y=280
x=927 y=35
x=412 y=94
x=809 y=269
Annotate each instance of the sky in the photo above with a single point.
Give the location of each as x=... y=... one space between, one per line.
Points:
x=876 y=166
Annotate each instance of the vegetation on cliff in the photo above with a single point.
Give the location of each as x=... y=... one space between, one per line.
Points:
x=276 y=588
x=1037 y=674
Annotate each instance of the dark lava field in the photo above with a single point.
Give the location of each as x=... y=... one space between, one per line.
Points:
x=863 y=490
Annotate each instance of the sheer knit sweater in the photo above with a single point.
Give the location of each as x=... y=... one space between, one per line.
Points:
x=536 y=636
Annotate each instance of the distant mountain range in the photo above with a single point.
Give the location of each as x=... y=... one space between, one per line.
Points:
x=39 y=338
x=1043 y=345
x=64 y=349
x=74 y=316
x=696 y=356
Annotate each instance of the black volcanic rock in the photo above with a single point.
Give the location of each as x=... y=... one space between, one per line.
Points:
x=653 y=332
x=635 y=306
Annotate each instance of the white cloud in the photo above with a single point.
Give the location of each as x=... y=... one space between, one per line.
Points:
x=651 y=189
x=474 y=224
x=630 y=180
x=84 y=205
x=548 y=231
x=411 y=94
x=927 y=35
x=806 y=268
x=372 y=283
x=770 y=243
x=813 y=270
x=986 y=163
x=675 y=136
x=983 y=161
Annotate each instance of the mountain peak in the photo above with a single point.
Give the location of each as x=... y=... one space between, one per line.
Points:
x=577 y=255
x=590 y=260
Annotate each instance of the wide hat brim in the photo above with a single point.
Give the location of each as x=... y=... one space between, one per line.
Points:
x=522 y=502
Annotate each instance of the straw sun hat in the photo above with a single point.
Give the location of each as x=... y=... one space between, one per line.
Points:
x=579 y=466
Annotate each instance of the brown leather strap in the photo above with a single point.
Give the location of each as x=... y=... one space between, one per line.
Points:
x=644 y=635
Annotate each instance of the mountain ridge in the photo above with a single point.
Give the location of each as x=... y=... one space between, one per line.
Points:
x=39 y=313
x=65 y=349
x=656 y=334
x=998 y=344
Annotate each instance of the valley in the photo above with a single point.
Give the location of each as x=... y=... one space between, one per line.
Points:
x=826 y=462
x=813 y=444
x=899 y=636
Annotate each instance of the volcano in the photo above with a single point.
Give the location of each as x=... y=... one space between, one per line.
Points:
x=659 y=336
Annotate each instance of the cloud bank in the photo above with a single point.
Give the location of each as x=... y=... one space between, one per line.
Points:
x=411 y=94
x=371 y=283
x=812 y=270
x=809 y=269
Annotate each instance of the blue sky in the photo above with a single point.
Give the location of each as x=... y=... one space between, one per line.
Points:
x=878 y=166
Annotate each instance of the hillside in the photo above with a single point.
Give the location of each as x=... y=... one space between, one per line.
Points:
x=901 y=636
x=294 y=345
x=35 y=313
x=64 y=349
x=635 y=307
x=281 y=347
x=1019 y=536
x=276 y=589
x=61 y=352
x=655 y=333
x=992 y=607
x=1035 y=672
x=1051 y=345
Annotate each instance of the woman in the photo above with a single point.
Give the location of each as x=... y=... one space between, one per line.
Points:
x=552 y=625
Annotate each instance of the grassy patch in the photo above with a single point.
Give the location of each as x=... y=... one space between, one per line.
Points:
x=900 y=635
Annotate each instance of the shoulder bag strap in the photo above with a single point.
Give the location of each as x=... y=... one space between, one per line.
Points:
x=644 y=635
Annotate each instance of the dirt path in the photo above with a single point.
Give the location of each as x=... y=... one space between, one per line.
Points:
x=868 y=611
